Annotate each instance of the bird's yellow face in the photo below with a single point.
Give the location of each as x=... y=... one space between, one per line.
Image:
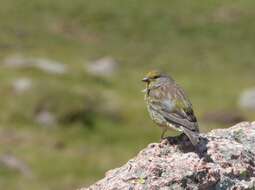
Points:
x=151 y=76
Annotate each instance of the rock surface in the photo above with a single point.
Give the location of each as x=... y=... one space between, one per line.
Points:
x=224 y=159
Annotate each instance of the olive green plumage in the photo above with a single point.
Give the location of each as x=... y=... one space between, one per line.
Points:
x=169 y=107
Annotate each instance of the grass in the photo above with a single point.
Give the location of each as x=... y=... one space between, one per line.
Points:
x=207 y=46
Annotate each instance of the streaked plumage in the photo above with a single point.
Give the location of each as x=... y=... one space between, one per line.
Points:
x=169 y=107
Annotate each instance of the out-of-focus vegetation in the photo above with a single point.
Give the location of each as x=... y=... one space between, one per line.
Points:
x=100 y=122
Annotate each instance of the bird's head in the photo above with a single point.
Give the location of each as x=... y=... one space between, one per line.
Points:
x=156 y=78
x=152 y=76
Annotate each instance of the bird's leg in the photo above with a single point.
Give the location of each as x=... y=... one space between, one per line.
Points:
x=163 y=133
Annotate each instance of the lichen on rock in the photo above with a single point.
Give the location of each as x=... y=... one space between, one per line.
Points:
x=224 y=159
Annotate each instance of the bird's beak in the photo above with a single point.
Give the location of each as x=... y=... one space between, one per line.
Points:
x=146 y=79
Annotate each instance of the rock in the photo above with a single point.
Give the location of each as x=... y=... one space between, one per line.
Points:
x=46 y=65
x=17 y=61
x=45 y=118
x=11 y=162
x=49 y=66
x=223 y=117
x=224 y=159
x=21 y=85
x=247 y=99
x=104 y=67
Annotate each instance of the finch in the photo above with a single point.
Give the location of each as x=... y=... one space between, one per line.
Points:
x=168 y=105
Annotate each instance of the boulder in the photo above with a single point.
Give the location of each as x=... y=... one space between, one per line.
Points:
x=223 y=160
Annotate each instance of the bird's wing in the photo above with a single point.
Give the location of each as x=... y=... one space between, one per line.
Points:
x=174 y=106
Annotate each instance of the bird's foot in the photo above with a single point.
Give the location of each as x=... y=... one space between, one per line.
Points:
x=162 y=138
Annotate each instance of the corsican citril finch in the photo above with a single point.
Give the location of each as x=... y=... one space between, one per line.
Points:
x=169 y=107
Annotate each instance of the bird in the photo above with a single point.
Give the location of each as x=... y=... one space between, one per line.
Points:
x=169 y=106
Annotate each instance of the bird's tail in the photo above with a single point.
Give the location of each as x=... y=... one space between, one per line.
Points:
x=192 y=135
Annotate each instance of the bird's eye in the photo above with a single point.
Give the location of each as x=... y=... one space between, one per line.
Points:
x=156 y=76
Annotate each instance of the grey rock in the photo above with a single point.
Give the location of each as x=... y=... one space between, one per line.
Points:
x=46 y=65
x=45 y=118
x=17 y=61
x=21 y=85
x=103 y=67
x=49 y=66
x=223 y=160
x=13 y=163
x=247 y=99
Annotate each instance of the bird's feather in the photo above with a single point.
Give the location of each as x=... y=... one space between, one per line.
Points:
x=170 y=101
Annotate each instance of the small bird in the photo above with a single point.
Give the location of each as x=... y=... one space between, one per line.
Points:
x=168 y=105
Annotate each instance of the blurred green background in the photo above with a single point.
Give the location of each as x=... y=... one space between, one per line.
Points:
x=70 y=80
